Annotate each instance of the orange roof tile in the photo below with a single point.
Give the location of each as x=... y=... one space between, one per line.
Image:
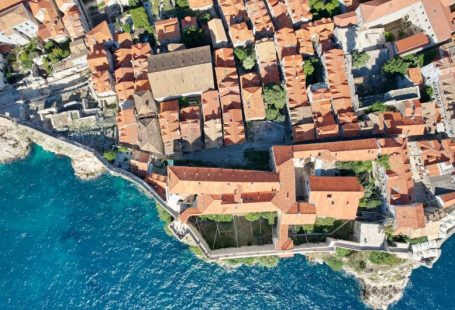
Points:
x=200 y=4
x=408 y=218
x=411 y=43
x=253 y=103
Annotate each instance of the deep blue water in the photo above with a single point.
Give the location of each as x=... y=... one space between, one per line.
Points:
x=69 y=244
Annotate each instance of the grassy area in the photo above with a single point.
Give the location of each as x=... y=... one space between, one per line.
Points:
x=242 y=232
x=165 y=217
x=359 y=260
x=265 y=261
x=383 y=258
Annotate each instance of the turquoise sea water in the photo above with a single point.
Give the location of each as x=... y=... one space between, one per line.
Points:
x=67 y=244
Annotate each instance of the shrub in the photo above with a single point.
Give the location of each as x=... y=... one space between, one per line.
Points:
x=383 y=258
x=126 y=28
x=427 y=93
x=325 y=8
x=334 y=263
x=396 y=66
x=182 y=3
x=193 y=37
x=341 y=252
x=249 y=63
x=383 y=161
x=389 y=37
x=269 y=216
x=246 y=56
x=377 y=107
x=140 y=19
x=109 y=155
x=324 y=221
x=359 y=59
x=222 y=218
x=275 y=95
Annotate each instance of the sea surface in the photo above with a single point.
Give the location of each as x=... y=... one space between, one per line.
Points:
x=67 y=244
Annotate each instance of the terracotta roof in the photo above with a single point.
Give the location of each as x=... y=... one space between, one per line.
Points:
x=127 y=127
x=190 y=128
x=240 y=34
x=266 y=56
x=196 y=180
x=6 y=4
x=409 y=217
x=335 y=184
x=167 y=30
x=253 y=103
x=217 y=32
x=415 y=75
x=259 y=16
x=448 y=199
x=299 y=10
x=372 y=10
x=170 y=128
x=411 y=43
x=200 y=4
x=346 y=19
x=99 y=34
x=286 y=42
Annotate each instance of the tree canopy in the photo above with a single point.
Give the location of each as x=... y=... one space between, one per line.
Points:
x=246 y=56
x=193 y=36
x=325 y=8
x=396 y=65
x=359 y=59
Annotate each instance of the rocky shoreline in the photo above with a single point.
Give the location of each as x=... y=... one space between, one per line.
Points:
x=16 y=140
x=381 y=285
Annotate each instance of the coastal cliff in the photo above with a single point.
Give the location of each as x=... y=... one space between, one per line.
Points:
x=15 y=141
x=382 y=285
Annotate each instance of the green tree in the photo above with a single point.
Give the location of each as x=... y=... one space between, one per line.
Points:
x=225 y=218
x=342 y=252
x=383 y=258
x=396 y=66
x=389 y=37
x=377 y=107
x=109 y=155
x=427 y=94
x=240 y=53
x=133 y=3
x=193 y=36
x=271 y=114
x=203 y=16
x=383 y=161
x=140 y=19
x=126 y=28
x=308 y=66
x=359 y=59
x=182 y=3
x=325 y=8
x=275 y=95
x=249 y=62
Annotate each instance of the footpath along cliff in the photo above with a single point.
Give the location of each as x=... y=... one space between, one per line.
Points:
x=16 y=139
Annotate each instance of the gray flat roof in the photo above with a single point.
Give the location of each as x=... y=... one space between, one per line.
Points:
x=179 y=59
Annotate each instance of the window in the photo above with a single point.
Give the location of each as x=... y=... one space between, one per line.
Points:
x=329 y=195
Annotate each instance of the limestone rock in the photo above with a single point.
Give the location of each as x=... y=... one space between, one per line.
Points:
x=13 y=144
